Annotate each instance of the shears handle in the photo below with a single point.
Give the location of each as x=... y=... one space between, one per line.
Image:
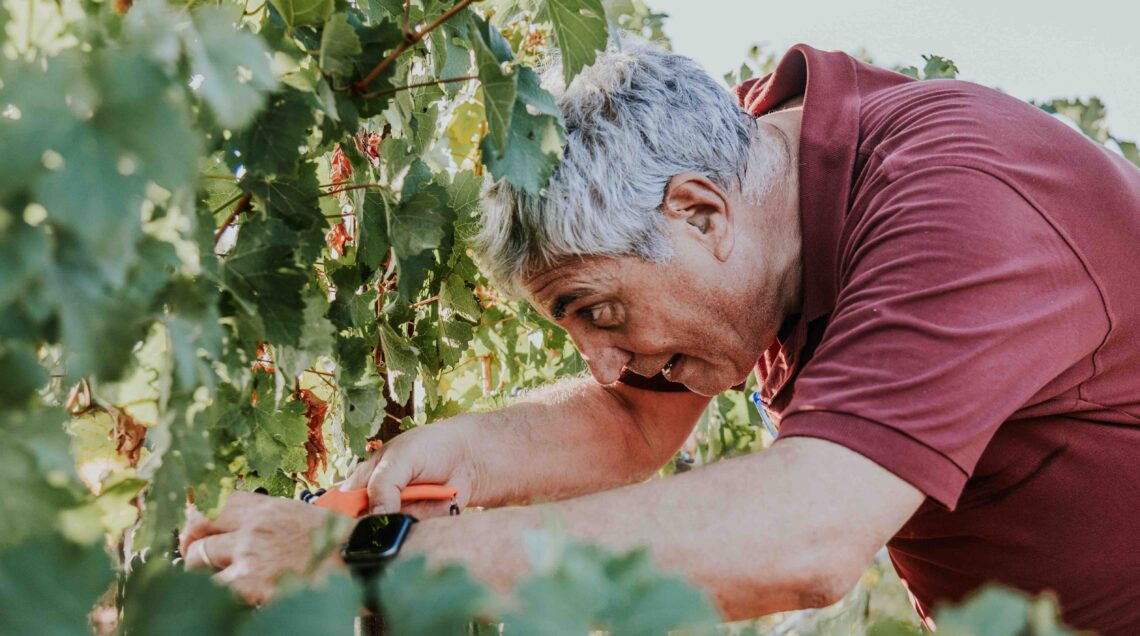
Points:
x=354 y=503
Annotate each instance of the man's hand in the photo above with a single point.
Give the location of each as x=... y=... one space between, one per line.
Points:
x=436 y=454
x=254 y=541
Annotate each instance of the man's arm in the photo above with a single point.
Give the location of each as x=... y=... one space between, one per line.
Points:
x=788 y=528
x=571 y=438
x=577 y=437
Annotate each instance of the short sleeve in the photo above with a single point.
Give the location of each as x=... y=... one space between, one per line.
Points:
x=958 y=305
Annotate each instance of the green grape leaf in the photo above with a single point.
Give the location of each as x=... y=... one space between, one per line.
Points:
x=192 y=325
x=297 y=13
x=464 y=191
x=327 y=608
x=499 y=86
x=233 y=65
x=24 y=256
x=278 y=436
x=450 y=56
x=412 y=273
x=39 y=472
x=150 y=123
x=534 y=95
x=378 y=10
x=22 y=371
x=98 y=324
x=533 y=149
x=269 y=145
x=565 y=594
x=50 y=100
x=425 y=116
x=353 y=354
x=417 y=224
x=88 y=190
x=401 y=359
x=363 y=411
x=48 y=585
x=454 y=338
x=292 y=198
x=581 y=31
x=376 y=42
x=938 y=67
x=262 y=273
x=373 y=219
x=316 y=338
x=456 y=297
x=577 y=588
x=162 y=599
x=295 y=200
x=645 y=602
x=408 y=586
x=339 y=43
x=182 y=448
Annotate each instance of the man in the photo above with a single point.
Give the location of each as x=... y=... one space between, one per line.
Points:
x=936 y=284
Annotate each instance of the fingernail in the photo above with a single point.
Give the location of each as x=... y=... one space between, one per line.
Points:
x=378 y=510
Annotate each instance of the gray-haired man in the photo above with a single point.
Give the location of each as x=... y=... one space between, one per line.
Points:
x=934 y=283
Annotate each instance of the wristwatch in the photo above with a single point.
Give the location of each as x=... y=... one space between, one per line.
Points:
x=375 y=540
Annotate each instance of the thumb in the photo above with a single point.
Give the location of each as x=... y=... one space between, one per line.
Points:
x=385 y=483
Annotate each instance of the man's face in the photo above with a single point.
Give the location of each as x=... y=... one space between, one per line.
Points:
x=701 y=320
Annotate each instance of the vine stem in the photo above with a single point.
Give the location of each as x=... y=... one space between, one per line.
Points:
x=242 y=206
x=359 y=186
x=426 y=301
x=410 y=40
x=397 y=89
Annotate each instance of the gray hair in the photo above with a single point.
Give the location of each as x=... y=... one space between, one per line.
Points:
x=634 y=119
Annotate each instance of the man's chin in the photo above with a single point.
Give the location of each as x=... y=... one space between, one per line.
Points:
x=710 y=387
x=707 y=389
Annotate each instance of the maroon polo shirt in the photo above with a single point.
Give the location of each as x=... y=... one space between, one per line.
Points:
x=970 y=322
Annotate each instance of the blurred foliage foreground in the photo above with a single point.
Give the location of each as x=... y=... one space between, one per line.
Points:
x=232 y=256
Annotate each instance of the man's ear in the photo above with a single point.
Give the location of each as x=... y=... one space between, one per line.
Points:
x=694 y=200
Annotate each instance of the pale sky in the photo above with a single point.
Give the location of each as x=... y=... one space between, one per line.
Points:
x=1031 y=49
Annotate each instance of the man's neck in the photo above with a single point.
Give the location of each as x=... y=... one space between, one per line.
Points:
x=784 y=202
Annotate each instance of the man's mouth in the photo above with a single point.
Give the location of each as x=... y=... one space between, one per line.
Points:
x=669 y=365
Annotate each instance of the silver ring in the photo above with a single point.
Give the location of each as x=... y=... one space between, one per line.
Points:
x=206 y=556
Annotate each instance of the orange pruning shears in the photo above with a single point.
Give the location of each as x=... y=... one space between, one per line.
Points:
x=354 y=503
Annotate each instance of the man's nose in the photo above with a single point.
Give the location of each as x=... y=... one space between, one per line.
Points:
x=605 y=360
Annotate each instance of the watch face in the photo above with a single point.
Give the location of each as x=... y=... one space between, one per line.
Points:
x=376 y=538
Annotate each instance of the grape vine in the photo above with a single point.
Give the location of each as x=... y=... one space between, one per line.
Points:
x=232 y=256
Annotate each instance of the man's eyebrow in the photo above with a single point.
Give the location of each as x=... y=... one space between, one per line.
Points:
x=558 y=307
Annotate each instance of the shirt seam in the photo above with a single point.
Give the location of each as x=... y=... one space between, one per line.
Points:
x=893 y=429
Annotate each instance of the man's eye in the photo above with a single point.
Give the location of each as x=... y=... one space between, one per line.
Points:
x=600 y=315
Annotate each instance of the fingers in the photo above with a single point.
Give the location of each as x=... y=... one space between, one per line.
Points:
x=363 y=471
x=214 y=552
x=197 y=526
x=385 y=483
x=251 y=590
x=238 y=506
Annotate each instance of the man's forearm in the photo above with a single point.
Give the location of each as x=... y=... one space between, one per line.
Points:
x=785 y=529
x=563 y=440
